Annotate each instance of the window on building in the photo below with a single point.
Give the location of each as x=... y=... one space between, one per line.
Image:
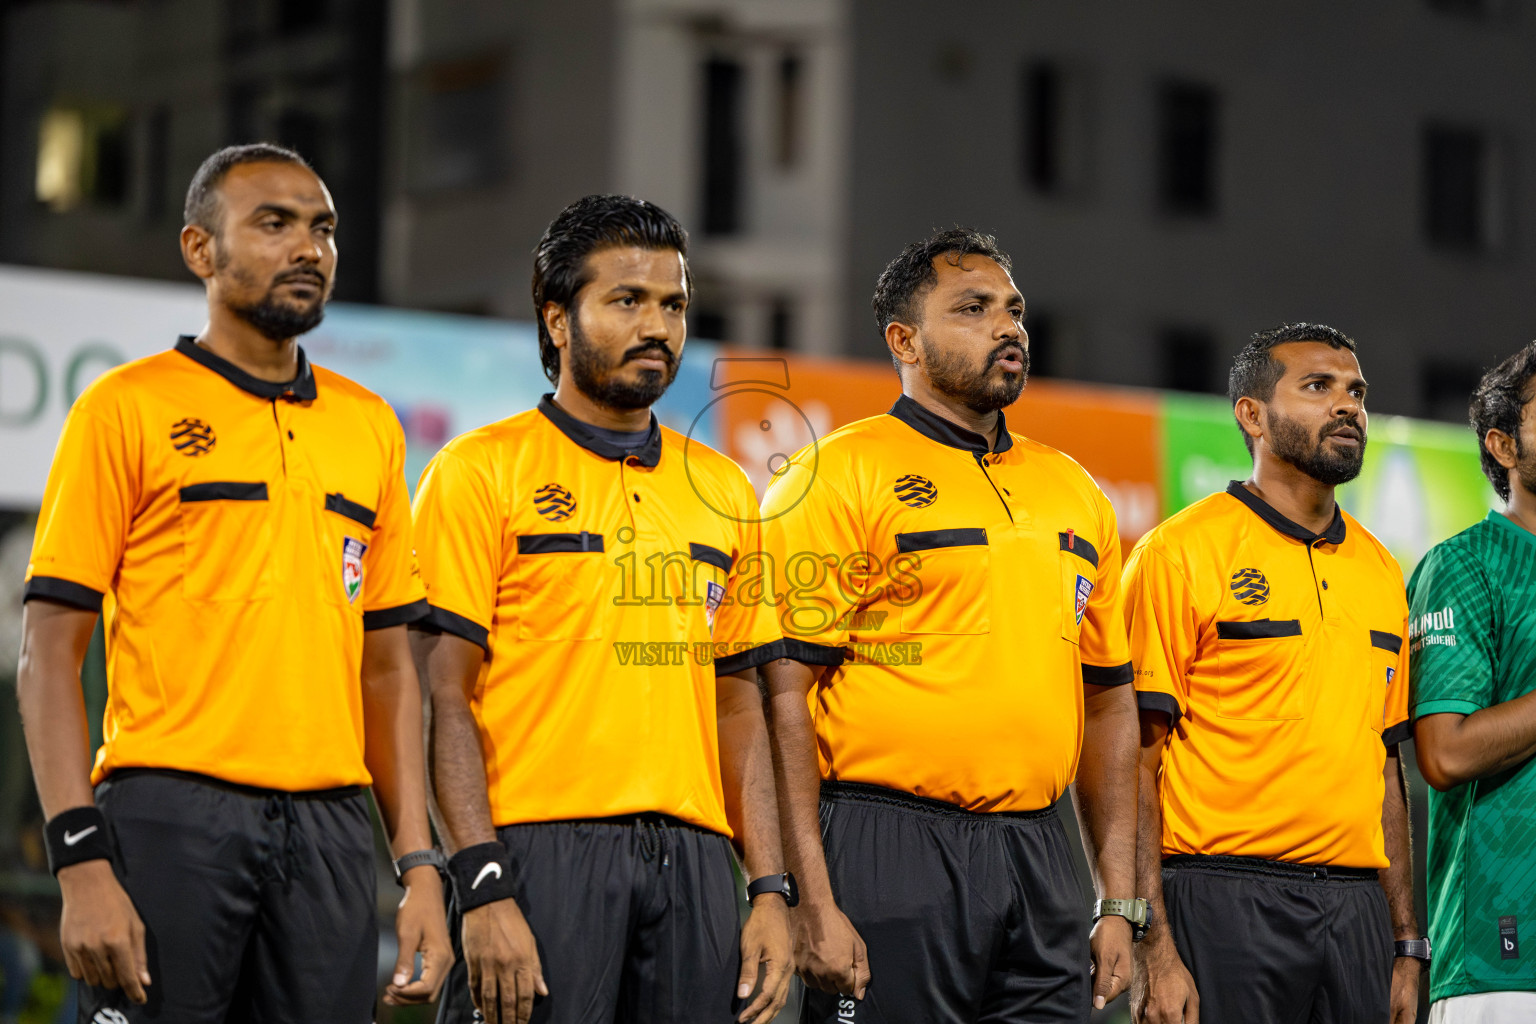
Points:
x=305 y=133
x=1188 y=133
x=295 y=17
x=460 y=104
x=1188 y=357
x=790 y=111
x=157 y=163
x=1054 y=128
x=723 y=157
x=1460 y=197
x=781 y=324
x=1041 y=325
x=82 y=157
x=710 y=324
x=1445 y=388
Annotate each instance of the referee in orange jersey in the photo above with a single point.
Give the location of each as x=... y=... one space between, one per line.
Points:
x=240 y=518
x=1268 y=633
x=597 y=731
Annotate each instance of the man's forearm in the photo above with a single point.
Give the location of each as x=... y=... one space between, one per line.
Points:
x=1397 y=879
x=1149 y=847
x=448 y=666
x=52 y=705
x=797 y=776
x=746 y=770
x=1106 y=789
x=1454 y=749
x=392 y=731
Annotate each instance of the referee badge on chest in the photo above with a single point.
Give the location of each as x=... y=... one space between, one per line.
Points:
x=714 y=593
x=1084 y=591
x=352 y=551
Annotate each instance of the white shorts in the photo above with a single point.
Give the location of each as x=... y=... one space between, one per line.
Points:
x=1485 y=1008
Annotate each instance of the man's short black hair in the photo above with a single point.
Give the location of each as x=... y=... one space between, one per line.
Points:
x=1497 y=404
x=1256 y=371
x=910 y=274
x=202 y=206
x=589 y=224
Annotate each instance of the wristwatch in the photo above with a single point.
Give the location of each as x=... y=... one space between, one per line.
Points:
x=416 y=859
x=1418 y=949
x=1135 y=911
x=783 y=884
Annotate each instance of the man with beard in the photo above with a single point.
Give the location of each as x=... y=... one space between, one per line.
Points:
x=1267 y=633
x=954 y=657
x=241 y=518
x=597 y=730
x=1472 y=636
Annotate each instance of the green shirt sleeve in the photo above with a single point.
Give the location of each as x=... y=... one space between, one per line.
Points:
x=1450 y=633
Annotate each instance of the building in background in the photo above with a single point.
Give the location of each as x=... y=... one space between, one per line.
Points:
x=1169 y=178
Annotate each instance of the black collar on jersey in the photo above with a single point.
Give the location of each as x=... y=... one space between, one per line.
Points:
x=936 y=428
x=300 y=389
x=1334 y=534
x=648 y=453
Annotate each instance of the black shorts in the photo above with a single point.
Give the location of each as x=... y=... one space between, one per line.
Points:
x=1269 y=942
x=967 y=916
x=637 y=919
x=259 y=905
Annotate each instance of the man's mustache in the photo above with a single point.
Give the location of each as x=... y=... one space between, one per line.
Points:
x=654 y=349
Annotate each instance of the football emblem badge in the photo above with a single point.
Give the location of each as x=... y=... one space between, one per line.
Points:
x=1250 y=587
x=554 y=502
x=352 y=551
x=193 y=437
x=714 y=594
x=1084 y=591
x=916 y=491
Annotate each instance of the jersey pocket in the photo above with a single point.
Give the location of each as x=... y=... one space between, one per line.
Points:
x=226 y=541
x=952 y=574
x=1385 y=649
x=1079 y=568
x=561 y=586
x=347 y=532
x=1257 y=673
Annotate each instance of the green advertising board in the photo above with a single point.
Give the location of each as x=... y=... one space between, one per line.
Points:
x=1422 y=481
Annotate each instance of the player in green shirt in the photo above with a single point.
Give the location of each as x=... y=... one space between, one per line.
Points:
x=1472 y=638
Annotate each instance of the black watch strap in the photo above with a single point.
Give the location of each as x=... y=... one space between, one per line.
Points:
x=783 y=884
x=1418 y=949
x=416 y=859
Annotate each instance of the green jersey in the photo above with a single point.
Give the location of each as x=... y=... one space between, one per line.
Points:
x=1472 y=643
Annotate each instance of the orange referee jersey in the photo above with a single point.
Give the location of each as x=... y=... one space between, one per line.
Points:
x=239 y=536
x=1279 y=655
x=963 y=595
x=604 y=585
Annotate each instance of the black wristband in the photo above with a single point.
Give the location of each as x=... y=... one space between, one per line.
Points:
x=75 y=836
x=481 y=874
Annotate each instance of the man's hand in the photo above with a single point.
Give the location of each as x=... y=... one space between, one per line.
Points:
x=102 y=934
x=503 y=962
x=830 y=955
x=1164 y=990
x=765 y=944
x=421 y=928
x=1110 y=943
x=1405 y=990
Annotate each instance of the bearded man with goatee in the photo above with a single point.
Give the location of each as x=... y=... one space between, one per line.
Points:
x=591 y=768
x=1269 y=635
x=954 y=658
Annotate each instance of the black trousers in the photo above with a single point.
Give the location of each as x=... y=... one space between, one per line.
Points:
x=1272 y=943
x=637 y=919
x=968 y=917
x=259 y=905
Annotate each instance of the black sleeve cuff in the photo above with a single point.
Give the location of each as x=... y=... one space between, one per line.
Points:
x=1397 y=733
x=1151 y=700
x=743 y=660
x=51 y=588
x=440 y=620
x=803 y=652
x=400 y=615
x=1111 y=675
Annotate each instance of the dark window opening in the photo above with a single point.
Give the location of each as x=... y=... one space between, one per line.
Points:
x=1456 y=187
x=781 y=324
x=711 y=324
x=787 y=139
x=1188 y=141
x=1445 y=388
x=723 y=80
x=298 y=16
x=1188 y=356
x=1043 y=125
x=1044 y=358
x=157 y=163
x=242 y=112
x=304 y=133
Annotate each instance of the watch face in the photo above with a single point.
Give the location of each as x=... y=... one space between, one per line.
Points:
x=791 y=889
